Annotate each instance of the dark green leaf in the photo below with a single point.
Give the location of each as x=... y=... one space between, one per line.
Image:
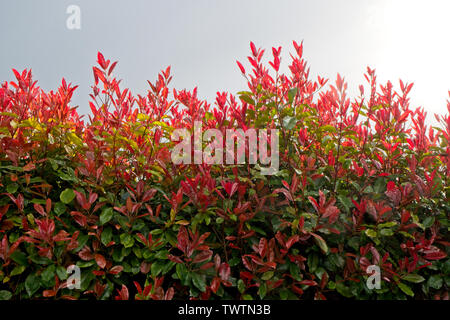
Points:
x=106 y=215
x=5 y=295
x=106 y=236
x=32 y=284
x=435 y=282
x=199 y=281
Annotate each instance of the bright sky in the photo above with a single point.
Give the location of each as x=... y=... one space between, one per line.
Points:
x=202 y=39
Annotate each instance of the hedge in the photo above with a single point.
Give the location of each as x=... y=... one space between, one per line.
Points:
x=362 y=182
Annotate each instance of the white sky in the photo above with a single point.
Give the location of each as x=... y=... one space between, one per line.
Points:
x=202 y=39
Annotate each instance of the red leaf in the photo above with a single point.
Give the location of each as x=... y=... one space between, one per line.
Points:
x=169 y=294
x=80 y=218
x=49 y=293
x=435 y=255
x=215 y=284
x=254 y=51
x=297 y=290
x=285 y=192
x=405 y=216
x=138 y=287
x=391 y=185
x=202 y=256
x=123 y=293
x=116 y=270
x=292 y=240
x=324 y=280
x=183 y=239
x=85 y=254
x=308 y=282
x=111 y=68
x=92 y=198
x=224 y=271
x=101 y=60
x=240 y=67
x=39 y=209
x=17 y=74
x=48 y=205
x=262 y=247
x=28 y=167
x=145 y=267
x=314 y=203
x=174 y=258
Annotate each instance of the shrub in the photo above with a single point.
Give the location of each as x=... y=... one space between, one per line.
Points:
x=361 y=182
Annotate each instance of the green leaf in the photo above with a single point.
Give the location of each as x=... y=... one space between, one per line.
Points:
x=48 y=274
x=446 y=267
x=167 y=267
x=320 y=242
x=291 y=94
x=379 y=186
x=181 y=271
x=428 y=222
x=331 y=285
x=353 y=243
x=156 y=231
x=355 y=185
x=289 y=122
x=127 y=240
x=106 y=236
x=294 y=270
x=386 y=232
x=247 y=99
x=17 y=270
x=241 y=286
x=106 y=215
x=67 y=196
x=162 y=254
x=284 y=294
x=157 y=267
x=346 y=202
x=435 y=282
x=12 y=188
x=371 y=233
x=19 y=257
x=5 y=295
x=199 y=281
x=59 y=208
x=337 y=260
x=32 y=284
x=61 y=272
x=343 y=290
x=415 y=278
x=313 y=261
x=387 y=224
x=328 y=128
x=407 y=290
x=406 y=234
x=267 y=275
x=262 y=291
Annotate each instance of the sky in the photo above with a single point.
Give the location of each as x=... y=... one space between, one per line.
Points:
x=202 y=39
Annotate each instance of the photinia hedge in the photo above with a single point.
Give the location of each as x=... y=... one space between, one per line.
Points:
x=362 y=182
